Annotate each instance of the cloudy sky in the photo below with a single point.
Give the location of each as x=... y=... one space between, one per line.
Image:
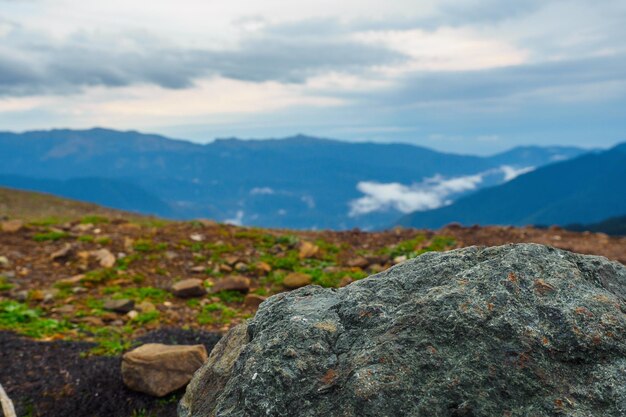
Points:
x=460 y=75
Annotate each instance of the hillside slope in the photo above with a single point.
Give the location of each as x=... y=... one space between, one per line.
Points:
x=615 y=226
x=586 y=189
x=119 y=194
x=33 y=206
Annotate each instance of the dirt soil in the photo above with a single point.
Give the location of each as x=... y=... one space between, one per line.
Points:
x=54 y=379
x=60 y=348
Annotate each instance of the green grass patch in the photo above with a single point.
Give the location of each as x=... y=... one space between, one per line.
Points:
x=100 y=276
x=287 y=261
x=417 y=246
x=50 y=236
x=105 y=240
x=219 y=249
x=216 y=313
x=86 y=238
x=230 y=296
x=261 y=291
x=145 y=245
x=45 y=222
x=22 y=319
x=122 y=264
x=138 y=294
x=145 y=318
x=94 y=220
x=193 y=303
x=288 y=240
x=5 y=285
x=329 y=251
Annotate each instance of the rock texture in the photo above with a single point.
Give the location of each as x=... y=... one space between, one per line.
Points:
x=515 y=330
x=158 y=369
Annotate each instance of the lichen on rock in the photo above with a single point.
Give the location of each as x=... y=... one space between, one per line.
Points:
x=515 y=330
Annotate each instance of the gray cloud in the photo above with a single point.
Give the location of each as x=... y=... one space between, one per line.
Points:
x=32 y=64
x=468 y=86
x=486 y=11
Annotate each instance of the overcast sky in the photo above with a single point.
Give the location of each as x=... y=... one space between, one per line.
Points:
x=472 y=76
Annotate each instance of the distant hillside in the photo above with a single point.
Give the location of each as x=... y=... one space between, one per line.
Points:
x=123 y=195
x=37 y=206
x=586 y=189
x=298 y=182
x=615 y=226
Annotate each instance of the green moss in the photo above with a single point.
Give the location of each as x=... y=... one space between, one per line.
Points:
x=193 y=303
x=47 y=221
x=145 y=318
x=4 y=284
x=86 y=238
x=288 y=240
x=22 y=319
x=138 y=294
x=50 y=236
x=440 y=243
x=103 y=241
x=216 y=313
x=122 y=264
x=145 y=245
x=419 y=245
x=100 y=276
x=94 y=220
x=219 y=249
x=230 y=296
x=328 y=250
x=288 y=260
x=261 y=291
x=274 y=278
x=113 y=345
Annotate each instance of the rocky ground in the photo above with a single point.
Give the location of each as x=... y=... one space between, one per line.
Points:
x=95 y=287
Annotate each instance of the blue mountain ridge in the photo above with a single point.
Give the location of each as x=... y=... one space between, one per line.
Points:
x=297 y=182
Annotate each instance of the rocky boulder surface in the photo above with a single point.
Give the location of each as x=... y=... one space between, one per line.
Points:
x=515 y=330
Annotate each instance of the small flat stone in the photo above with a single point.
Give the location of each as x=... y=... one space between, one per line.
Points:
x=158 y=370
x=230 y=259
x=232 y=283
x=297 y=280
x=263 y=267
x=253 y=300
x=104 y=257
x=308 y=250
x=358 y=262
x=119 y=306
x=76 y=279
x=62 y=253
x=187 y=288
x=11 y=226
x=65 y=309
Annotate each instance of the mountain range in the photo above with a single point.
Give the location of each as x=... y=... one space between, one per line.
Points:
x=586 y=189
x=297 y=182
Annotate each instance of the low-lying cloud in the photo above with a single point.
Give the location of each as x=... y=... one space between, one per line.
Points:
x=429 y=194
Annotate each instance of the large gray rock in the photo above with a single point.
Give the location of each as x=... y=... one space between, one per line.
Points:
x=516 y=330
